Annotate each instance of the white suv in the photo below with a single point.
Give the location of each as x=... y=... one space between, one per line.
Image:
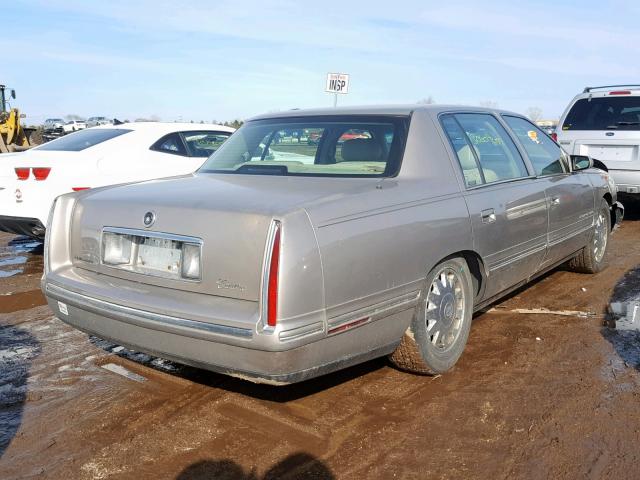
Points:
x=604 y=123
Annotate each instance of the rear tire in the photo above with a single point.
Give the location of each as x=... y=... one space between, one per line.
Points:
x=591 y=259
x=441 y=322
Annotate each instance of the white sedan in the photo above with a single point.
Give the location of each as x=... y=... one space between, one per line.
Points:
x=95 y=157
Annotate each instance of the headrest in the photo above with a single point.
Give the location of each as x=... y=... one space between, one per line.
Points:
x=467 y=160
x=361 y=150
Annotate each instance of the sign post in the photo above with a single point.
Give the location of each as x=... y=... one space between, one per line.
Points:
x=337 y=83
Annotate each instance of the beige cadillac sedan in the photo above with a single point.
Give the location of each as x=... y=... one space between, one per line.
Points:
x=314 y=240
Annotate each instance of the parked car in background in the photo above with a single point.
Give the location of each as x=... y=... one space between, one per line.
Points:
x=97 y=121
x=51 y=124
x=96 y=157
x=279 y=260
x=604 y=123
x=52 y=129
x=74 y=126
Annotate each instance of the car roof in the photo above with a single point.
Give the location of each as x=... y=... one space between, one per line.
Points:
x=378 y=110
x=168 y=127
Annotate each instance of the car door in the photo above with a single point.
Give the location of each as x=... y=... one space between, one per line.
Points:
x=508 y=211
x=569 y=195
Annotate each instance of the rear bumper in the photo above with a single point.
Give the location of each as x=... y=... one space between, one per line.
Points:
x=627 y=181
x=31 y=227
x=220 y=348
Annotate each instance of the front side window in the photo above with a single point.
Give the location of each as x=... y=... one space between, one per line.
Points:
x=545 y=155
x=83 y=139
x=604 y=113
x=484 y=149
x=346 y=145
x=172 y=144
x=203 y=144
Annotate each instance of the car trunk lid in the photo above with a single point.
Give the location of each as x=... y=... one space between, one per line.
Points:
x=230 y=214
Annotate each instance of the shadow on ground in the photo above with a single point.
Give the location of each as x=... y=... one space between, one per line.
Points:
x=631 y=207
x=282 y=394
x=296 y=466
x=17 y=349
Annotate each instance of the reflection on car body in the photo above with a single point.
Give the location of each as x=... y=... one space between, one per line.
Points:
x=282 y=259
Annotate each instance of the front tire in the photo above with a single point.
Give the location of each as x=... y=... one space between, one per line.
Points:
x=591 y=258
x=441 y=322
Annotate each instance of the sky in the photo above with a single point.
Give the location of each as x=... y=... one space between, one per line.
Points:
x=222 y=60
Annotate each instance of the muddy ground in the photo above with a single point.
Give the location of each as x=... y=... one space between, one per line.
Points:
x=535 y=396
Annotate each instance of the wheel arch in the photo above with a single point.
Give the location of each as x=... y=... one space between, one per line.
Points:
x=476 y=267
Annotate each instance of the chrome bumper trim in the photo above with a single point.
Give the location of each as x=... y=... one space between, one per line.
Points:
x=155 y=321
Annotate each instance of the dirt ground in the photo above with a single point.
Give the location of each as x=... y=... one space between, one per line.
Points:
x=535 y=396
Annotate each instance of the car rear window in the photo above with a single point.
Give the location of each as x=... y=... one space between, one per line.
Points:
x=83 y=139
x=604 y=113
x=333 y=145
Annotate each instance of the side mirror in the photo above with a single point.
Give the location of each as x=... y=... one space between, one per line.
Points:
x=13 y=94
x=580 y=162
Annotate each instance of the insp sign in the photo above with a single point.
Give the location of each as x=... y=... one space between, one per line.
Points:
x=337 y=83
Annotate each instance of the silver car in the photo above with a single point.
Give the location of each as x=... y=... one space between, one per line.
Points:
x=604 y=123
x=280 y=259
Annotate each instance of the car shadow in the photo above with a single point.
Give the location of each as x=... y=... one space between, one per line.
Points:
x=17 y=350
x=295 y=466
x=631 y=207
x=272 y=393
x=625 y=342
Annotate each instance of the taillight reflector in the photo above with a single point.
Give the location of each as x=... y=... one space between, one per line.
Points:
x=620 y=92
x=272 y=289
x=554 y=135
x=77 y=189
x=41 y=173
x=22 y=173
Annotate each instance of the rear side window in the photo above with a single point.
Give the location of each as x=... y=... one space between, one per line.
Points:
x=83 y=139
x=545 y=155
x=484 y=149
x=604 y=113
x=172 y=144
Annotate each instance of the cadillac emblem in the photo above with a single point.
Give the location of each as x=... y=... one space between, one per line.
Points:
x=149 y=219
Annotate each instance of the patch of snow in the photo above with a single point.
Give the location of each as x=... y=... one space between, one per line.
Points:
x=120 y=370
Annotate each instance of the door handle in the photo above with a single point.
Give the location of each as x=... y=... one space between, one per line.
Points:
x=555 y=201
x=488 y=216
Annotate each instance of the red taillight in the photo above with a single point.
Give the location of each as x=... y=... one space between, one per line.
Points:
x=78 y=189
x=22 y=173
x=620 y=92
x=272 y=289
x=41 y=173
x=554 y=135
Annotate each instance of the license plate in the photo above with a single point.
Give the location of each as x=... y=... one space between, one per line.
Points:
x=159 y=254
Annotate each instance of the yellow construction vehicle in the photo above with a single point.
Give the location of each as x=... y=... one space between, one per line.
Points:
x=13 y=136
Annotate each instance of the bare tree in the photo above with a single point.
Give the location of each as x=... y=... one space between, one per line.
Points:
x=534 y=113
x=73 y=116
x=489 y=104
x=427 y=101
